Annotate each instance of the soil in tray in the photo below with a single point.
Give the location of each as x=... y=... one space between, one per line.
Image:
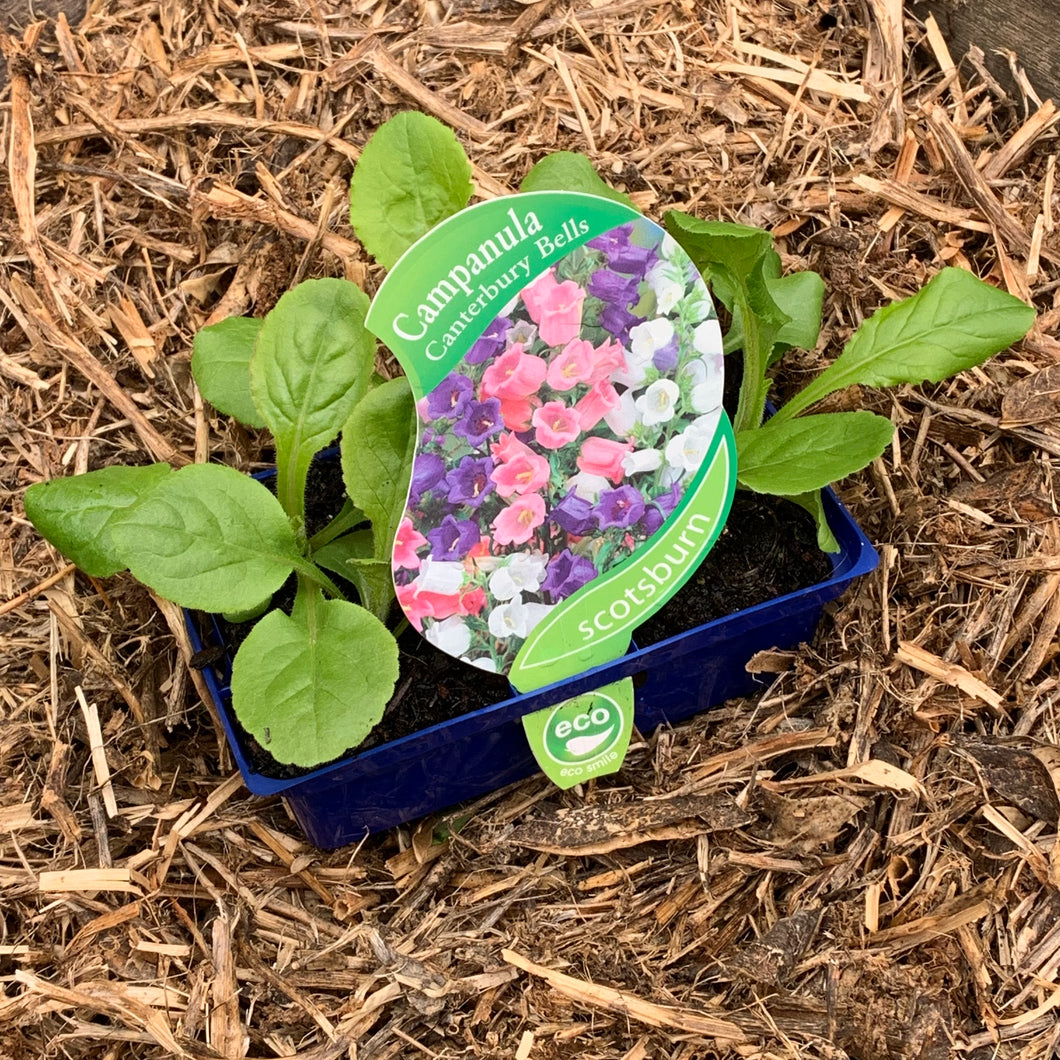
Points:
x=768 y=548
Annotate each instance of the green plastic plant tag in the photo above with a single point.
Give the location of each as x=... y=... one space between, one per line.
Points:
x=573 y=462
x=584 y=737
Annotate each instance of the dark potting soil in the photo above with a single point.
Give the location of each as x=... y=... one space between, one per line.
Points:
x=768 y=548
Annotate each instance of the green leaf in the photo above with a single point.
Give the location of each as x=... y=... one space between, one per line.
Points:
x=77 y=514
x=312 y=365
x=339 y=555
x=309 y=689
x=570 y=171
x=412 y=174
x=953 y=324
x=810 y=452
x=352 y=557
x=814 y=504
x=220 y=363
x=378 y=442
x=714 y=245
x=800 y=296
x=770 y=318
x=738 y=262
x=248 y=613
x=209 y=537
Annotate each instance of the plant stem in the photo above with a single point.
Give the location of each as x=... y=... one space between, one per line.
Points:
x=347 y=519
x=313 y=574
x=754 y=386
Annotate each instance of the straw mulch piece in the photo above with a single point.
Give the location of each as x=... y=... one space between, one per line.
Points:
x=862 y=862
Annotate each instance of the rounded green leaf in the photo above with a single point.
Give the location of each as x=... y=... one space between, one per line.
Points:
x=220 y=363
x=738 y=248
x=313 y=362
x=809 y=452
x=800 y=296
x=209 y=537
x=248 y=613
x=308 y=696
x=412 y=174
x=77 y=514
x=570 y=171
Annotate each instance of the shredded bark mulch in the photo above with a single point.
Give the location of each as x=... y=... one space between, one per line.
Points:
x=863 y=862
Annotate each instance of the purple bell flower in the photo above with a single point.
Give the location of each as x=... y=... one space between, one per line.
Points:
x=667 y=500
x=481 y=420
x=566 y=574
x=427 y=472
x=573 y=514
x=613 y=288
x=622 y=255
x=650 y=521
x=617 y=320
x=665 y=357
x=469 y=482
x=621 y=507
x=449 y=399
x=489 y=343
x=453 y=539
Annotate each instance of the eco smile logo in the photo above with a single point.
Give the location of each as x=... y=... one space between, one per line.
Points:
x=585 y=737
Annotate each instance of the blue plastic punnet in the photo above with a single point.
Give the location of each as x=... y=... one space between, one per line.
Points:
x=479 y=752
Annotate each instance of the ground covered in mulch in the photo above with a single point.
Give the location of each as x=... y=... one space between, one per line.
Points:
x=862 y=862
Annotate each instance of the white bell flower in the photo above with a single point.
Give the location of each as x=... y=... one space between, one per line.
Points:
x=451 y=635
x=658 y=403
x=524 y=572
x=440 y=576
x=587 y=486
x=641 y=460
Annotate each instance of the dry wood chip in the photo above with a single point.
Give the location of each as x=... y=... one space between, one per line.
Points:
x=807 y=825
x=628 y=1005
x=873 y=772
x=816 y=80
x=1033 y=400
x=772 y=957
x=1011 y=235
x=917 y=202
x=88 y=880
x=18 y=817
x=1015 y=774
x=966 y=908
x=948 y=673
x=599 y=829
x=111 y=998
x=1022 y=140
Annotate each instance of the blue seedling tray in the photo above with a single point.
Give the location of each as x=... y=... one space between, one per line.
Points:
x=479 y=752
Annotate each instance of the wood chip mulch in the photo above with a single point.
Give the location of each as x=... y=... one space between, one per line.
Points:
x=884 y=882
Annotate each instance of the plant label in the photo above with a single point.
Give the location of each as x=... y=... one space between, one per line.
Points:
x=573 y=461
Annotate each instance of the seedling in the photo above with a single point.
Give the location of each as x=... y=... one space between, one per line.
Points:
x=954 y=323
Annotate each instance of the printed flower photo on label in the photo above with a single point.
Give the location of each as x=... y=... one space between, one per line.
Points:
x=561 y=442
